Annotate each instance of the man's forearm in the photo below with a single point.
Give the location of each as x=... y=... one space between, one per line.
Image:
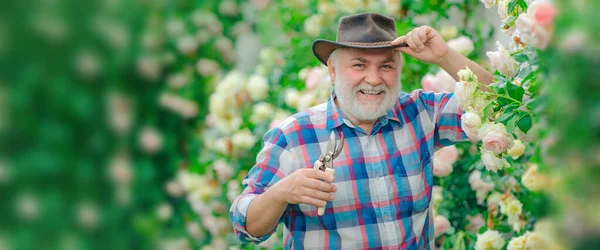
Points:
x=454 y=61
x=264 y=213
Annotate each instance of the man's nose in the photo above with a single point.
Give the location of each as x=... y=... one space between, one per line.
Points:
x=373 y=76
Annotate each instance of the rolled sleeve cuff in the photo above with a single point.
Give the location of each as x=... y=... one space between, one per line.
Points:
x=238 y=217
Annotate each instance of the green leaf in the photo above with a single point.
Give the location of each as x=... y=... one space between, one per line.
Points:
x=524 y=123
x=510 y=125
x=521 y=58
x=523 y=5
x=514 y=91
x=505 y=117
x=512 y=5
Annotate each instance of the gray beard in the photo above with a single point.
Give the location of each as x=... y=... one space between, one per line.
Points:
x=371 y=111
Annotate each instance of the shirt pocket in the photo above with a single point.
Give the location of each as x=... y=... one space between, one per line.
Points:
x=411 y=183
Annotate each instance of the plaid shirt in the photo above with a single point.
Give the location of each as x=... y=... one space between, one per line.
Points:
x=383 y=180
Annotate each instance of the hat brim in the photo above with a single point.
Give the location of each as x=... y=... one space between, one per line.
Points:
x=323 y=48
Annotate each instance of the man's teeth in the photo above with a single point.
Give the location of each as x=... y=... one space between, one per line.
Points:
x=369 y=92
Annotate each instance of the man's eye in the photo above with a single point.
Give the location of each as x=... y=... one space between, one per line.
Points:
x=385 y=66
x=358 y=65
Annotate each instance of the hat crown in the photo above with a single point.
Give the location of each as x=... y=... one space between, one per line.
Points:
x=361 y=31
x=366 y=28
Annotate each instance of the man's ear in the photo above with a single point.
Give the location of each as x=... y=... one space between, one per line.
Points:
x=331 y=69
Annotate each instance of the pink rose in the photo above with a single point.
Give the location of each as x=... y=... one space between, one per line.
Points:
x=317 y=76
x=442 y=169
x=475 y=222
x=428 y=83
x=441 y=225
x=443 y=160
x=495 y=138
x=531 y=32
x=445 y=82
x=543 y=12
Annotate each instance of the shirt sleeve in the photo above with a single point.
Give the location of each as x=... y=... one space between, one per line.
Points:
x=263 y=175
x=446 y=114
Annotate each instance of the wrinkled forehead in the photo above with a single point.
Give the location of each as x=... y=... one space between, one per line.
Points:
x=374 y=54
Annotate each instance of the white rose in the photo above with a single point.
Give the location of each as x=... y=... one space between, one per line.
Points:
x=464 y=93
x=194 y=229
x=462 y=45
x=206 y=67
x=349 y=6
x=187 y=44
x=233 y=190
x=292 y=96
x=489 y=240
x=87 y=215
x=436 y=195
x=120 y=170
x=175 y=27
x=517 y=243
x=326 y=8
x=306 y=101
x=470 y=123
x=448 y=31
x=243 y=139
x=511 y=206
x=258 y=86
x=516 y=150
x=27 y=207
x=466 y=75
x=313 y=24
x=228 y=124
x=149 y=67
x=262 y=112
x=493 y=163
x=150 y=140
x=533 y=180
x=174 y=188
x=488 y=3
x=223 y=170
x=164 y=211
x=228 y=8
x=224 y=45
x=503 y=61
x=494 y=199
x=503 y=8
x=177 y=80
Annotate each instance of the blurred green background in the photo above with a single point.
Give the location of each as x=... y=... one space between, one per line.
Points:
x=129 y=124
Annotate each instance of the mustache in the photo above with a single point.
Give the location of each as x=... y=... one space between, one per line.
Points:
x=369 y=87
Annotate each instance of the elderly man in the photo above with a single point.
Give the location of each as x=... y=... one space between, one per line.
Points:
x=379 y=194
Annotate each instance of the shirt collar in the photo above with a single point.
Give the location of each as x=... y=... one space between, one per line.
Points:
x=335 y=116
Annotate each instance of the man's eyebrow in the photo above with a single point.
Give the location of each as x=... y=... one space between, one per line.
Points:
x=361 y=59
x=387 y=60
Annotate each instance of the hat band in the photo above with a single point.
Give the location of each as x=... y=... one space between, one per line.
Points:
x=367 y=44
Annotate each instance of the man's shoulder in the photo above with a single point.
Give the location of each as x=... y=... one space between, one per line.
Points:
x=313 y=116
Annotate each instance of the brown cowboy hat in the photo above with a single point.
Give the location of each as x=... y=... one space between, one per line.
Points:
x=362 y=31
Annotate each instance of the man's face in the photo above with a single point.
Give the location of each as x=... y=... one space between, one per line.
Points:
x=367 y=82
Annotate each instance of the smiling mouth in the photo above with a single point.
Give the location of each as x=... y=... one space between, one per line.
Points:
x=370 y=92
